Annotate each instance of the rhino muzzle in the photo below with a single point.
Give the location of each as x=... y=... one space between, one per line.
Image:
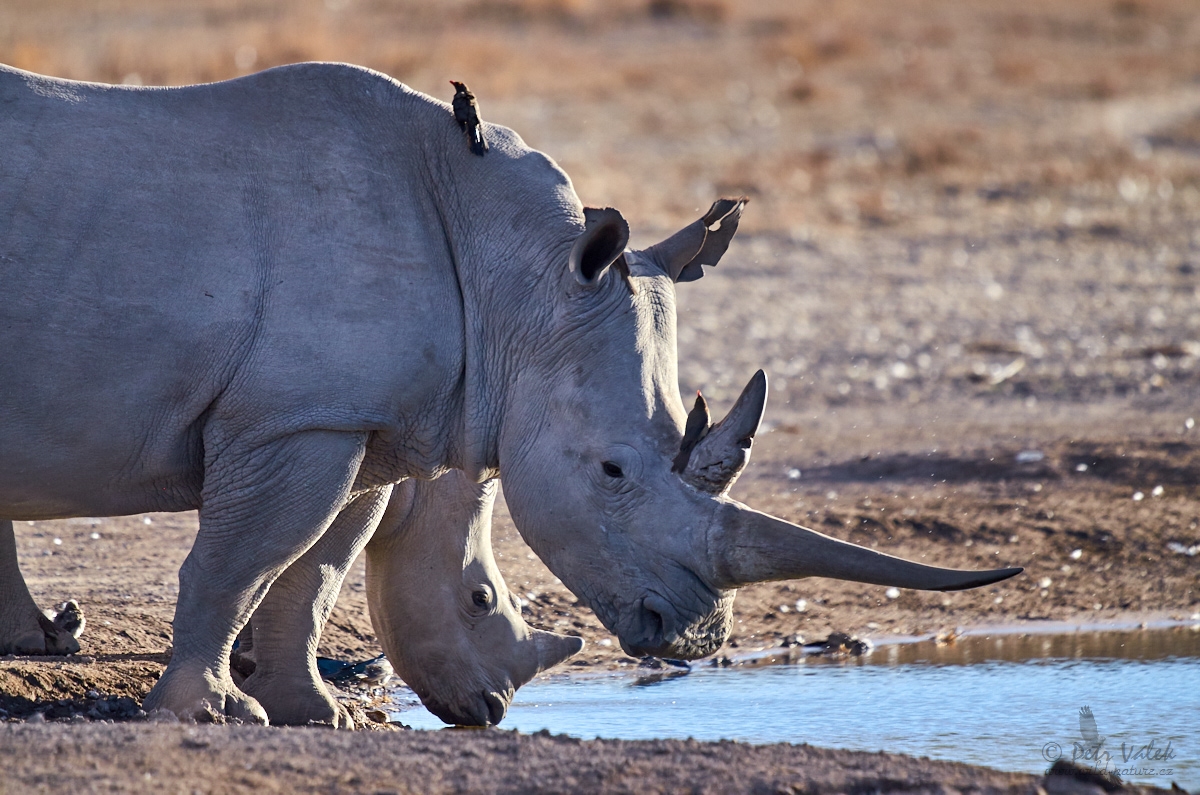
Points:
x=486 y=708
x=664 y=632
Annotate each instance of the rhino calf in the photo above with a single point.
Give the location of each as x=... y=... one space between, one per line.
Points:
x=439 y=605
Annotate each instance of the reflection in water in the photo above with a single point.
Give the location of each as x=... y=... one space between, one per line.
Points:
x=1004 y=701
x=1012 y=647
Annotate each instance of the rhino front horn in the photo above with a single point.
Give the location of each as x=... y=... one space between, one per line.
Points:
x=747 y=547
x=711 y=457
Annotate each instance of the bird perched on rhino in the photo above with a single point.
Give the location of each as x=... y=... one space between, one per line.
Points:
x=466 y=113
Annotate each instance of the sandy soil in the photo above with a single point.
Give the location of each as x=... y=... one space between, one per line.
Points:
x=970 y=268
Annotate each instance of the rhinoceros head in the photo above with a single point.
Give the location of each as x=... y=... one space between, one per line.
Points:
x=620 y=490
x=442 y=611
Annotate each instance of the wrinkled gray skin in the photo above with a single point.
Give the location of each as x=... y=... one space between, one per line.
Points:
x=439 y=605
x=268 y=298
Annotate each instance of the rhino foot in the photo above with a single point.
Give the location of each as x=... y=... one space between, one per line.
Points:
x=292 y=701
x=28 y=631
x=202 y=698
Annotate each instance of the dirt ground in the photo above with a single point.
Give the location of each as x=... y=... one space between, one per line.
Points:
x=969 y=267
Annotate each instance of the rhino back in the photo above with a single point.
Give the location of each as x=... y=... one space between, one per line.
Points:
x=258 y=252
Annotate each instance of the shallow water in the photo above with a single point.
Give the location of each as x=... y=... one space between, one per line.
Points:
x=1009 y=702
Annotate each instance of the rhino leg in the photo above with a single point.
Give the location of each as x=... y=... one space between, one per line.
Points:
x=261 y=508
x=286 y=627
x=24 y=629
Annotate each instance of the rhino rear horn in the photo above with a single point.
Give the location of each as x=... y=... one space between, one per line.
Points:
x=698 y=423
x=684 y=254
x=748 y=547
x=715 y=460
x=605 y=235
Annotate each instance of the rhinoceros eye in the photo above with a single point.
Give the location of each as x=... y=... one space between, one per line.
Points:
x=612 y=470
x=482 y=599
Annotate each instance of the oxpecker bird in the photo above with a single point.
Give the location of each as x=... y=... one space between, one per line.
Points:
x=69 y=618
x=466 y=113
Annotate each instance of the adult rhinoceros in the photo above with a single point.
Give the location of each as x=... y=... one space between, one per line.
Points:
x=272 y=297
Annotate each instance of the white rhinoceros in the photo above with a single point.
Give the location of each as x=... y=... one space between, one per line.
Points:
x=440 y=608
x=273 y=297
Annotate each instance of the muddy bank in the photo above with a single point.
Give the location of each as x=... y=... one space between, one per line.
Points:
x=199 y=759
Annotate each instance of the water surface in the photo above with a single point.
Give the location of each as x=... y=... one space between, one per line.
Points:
x=1009 y=702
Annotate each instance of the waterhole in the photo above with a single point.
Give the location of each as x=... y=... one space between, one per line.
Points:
x=1125 y=701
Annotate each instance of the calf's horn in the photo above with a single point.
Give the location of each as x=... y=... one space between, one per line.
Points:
x=747 y=547
x=711 y=458
x=553 y=648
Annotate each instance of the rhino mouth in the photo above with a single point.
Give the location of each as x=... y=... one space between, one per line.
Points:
x=487 y=708
x=497 y=707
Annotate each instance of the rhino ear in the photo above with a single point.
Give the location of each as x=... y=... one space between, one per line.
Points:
x=603 y=241
x=684 y=254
